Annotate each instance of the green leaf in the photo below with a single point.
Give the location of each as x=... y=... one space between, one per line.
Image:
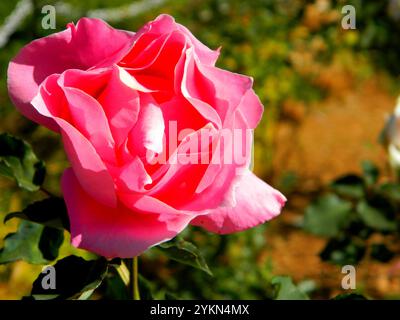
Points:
x=375 y=217
x=170 y=296
x=50 y=242
x=75 y=278
x=391 y=191
x=184 y=252
x=114 y=288
x=145 y=288
x=349 y=186
x=23 y=244
x=381 y=253
x=327 y=216
x=371 y=172
x=18 y=161
x=349 y=296
x=50 y=212
x=287 y=290
x=358 y=229
x=343 y=251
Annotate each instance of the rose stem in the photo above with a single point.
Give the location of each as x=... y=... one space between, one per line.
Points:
x=134 y=279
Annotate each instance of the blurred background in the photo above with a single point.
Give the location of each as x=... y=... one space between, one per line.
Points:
x=327 y=94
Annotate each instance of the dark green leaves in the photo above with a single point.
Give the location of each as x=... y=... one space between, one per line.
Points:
x=114 y=288
x=40 y=234
x=360 y=208
x=50 y=242
x=145 y=289
x=184 y=252
x=327 y=216
x=23 y=244
x=350 y=296
x=18 y=161
x=350 y=186
x=354 y=186
x=343 y=250
x=375 y=217
x=50 y=212
x=33 y=243
x=381 y=252
x=390 y=191
x=75 y=278
x=370 y=172
x=285 y=289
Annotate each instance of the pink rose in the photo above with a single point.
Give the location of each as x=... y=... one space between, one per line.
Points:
x=132 y=109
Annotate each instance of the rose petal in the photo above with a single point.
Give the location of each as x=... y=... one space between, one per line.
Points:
x=79 y=47
x=88 y=167
x=148 y=131
x=198 y=90
x=256 y=202
x=218 y=94
x=89 y=119
x=121 y=105
x=251 y=109
x=165 y=24
x=132 y=177
x=114 y=232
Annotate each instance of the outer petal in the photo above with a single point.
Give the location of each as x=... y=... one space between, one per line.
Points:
x=251 y=108
x=114 y=232
x=88 y=167
x=79 y=47
x=59 y=98
x=256 y=202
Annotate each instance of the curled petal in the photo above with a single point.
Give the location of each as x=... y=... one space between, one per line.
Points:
x=256 y=202
x=165 y=24
x=148 y=132
x=89 y=169
x=121 y=104
x=90 y=120
x=218 y=94
x=199 y=91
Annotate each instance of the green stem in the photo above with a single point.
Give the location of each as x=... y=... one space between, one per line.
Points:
x=134 y=279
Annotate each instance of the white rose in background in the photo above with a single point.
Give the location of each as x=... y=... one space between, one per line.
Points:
x=391 y=137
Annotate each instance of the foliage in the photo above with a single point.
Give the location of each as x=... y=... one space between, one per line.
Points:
x=76 y=278
x=355 y=209
x=184 y=252
x=19 y=162
x=286 y=290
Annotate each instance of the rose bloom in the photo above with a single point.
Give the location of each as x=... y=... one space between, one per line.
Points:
x=112 y=96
